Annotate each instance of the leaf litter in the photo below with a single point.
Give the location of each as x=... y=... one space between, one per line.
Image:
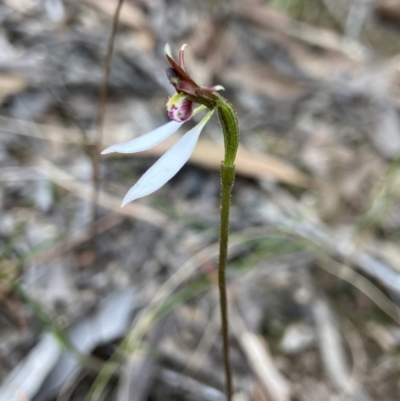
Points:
x=314 y=272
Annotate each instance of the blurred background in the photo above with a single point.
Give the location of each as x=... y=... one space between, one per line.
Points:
x=103 y=303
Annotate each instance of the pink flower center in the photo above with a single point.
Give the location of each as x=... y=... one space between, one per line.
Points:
x=179 y=108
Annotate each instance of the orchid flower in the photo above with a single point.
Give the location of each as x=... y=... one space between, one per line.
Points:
x=180 y=109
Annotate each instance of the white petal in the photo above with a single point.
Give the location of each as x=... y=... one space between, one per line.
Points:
x=146 y=141
x=167 y=165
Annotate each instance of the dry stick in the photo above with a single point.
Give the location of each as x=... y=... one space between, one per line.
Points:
x=101 y=110
x=89 y=151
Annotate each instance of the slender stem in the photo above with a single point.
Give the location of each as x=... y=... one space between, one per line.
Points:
x=101 y=109
x=227 y=180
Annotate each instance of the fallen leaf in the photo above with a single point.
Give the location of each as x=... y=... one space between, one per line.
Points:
x=266 y=80
x=11 y=84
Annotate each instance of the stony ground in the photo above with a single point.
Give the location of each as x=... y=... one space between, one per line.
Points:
x=99 y=302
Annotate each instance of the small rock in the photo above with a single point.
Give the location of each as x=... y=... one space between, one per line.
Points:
x=43 y=195
x=297 y=337
x=7 y=224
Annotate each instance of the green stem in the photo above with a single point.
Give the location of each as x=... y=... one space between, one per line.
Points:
x=230 y=128
x=227 y=180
